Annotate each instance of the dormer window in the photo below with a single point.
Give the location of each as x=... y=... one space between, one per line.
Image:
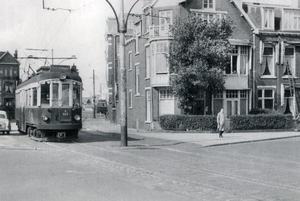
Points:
x=291 y=19
x=268 y=18
x=208 y=4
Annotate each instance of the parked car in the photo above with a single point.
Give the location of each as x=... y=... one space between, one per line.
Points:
x=4 y=123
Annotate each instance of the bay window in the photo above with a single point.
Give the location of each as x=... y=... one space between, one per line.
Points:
x=239 y=60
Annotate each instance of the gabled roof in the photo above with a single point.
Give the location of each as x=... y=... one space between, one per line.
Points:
x=251 y=11
x=167 y=2
x=7 y=58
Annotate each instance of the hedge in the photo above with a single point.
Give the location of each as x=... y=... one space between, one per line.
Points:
x=188 y=122
x=241 y=122
x=263 y=121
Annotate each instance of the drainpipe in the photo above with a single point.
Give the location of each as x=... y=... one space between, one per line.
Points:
x=254 y=73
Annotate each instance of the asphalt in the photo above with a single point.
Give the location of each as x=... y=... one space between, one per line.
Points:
x=201 y=138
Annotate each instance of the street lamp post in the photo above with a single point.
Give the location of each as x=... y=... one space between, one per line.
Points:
x=122 y=29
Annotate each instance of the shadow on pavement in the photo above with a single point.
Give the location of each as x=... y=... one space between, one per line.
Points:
x=98 y=136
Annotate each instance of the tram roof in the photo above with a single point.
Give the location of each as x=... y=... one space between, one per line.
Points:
x=52 y=72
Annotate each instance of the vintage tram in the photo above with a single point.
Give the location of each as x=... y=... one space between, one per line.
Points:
x=48 y=105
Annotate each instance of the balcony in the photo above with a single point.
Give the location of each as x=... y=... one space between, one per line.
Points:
x=160 y=80
x=160 y=31
x=236 y=82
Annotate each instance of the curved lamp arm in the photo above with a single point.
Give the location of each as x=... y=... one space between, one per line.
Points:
x=115 y=15
x=128 y=15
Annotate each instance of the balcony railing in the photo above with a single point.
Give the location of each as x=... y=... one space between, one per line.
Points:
x=160 y=31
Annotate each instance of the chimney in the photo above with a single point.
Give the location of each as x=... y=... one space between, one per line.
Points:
x=16 y=54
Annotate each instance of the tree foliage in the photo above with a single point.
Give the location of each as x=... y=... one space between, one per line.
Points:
x=198 y=55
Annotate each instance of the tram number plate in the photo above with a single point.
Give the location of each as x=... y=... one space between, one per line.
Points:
x=61 y=135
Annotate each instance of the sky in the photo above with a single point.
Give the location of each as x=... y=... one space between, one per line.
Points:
x=32 y=30
x=25 y=25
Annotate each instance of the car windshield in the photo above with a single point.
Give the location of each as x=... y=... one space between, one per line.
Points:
x=2 y=116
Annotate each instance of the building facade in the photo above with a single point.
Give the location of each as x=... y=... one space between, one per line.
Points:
x=9 y=77
x=264 y=40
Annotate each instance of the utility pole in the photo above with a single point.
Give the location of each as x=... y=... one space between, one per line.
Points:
x=94 y=97
x=122 y=29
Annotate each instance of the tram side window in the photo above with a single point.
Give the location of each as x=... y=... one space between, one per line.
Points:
x=45 y=89
x=34 y=94
x=76 y=94
x=55 y=94
x=65 y=94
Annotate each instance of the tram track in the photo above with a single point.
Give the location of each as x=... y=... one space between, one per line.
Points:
x=154 y=178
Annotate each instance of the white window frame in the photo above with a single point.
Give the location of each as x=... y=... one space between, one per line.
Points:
x=240 y=51
x=291 y=19
x=272 y=67
x=206 y=4
x=130 y=60
x=165 y=94
x=165 y=21
x=292 y=66
x=148 y=101
x=148 y=61
x=209 y=16
x=130 y=99
x=137 y=79
x=161 y=48
x=268 y=19
x=263 y=98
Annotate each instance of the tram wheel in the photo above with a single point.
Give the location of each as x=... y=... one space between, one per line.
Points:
x=29 y=132
x=34 y=132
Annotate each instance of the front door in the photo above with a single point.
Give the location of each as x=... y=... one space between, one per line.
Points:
x=166 y=102
x=231 y=107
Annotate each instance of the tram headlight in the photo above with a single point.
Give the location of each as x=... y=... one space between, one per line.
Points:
x=45 y=118
x=62 y=76
x=77 y=117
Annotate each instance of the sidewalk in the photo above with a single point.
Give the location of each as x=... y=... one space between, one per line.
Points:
x=204 y=139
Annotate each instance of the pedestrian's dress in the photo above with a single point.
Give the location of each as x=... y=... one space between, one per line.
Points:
x=220 y=121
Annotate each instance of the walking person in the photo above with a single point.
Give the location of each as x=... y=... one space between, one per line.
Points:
x=221 y=122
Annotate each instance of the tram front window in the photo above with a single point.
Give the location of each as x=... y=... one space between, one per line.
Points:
x=65 y=95
x=55 y=94
x=76 y=95
x=45 y=88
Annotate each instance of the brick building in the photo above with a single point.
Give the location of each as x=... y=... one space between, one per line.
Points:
x=9 y=76
x=256 y=77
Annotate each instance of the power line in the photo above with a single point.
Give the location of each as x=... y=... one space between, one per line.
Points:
x=57 y=30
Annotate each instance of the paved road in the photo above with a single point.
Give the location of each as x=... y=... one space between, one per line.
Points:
x=97 y=168
x=155 y=166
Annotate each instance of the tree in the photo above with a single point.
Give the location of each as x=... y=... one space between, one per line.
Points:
x=199 y=53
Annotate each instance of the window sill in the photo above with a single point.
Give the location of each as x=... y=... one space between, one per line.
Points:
x=147 y=78
x=136 y=54
x=287 y=77
x=137 y=95
x=268 y=76
x=148 y=122
x=236 y=75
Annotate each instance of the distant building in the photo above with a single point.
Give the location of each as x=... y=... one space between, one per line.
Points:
x=9 y=77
